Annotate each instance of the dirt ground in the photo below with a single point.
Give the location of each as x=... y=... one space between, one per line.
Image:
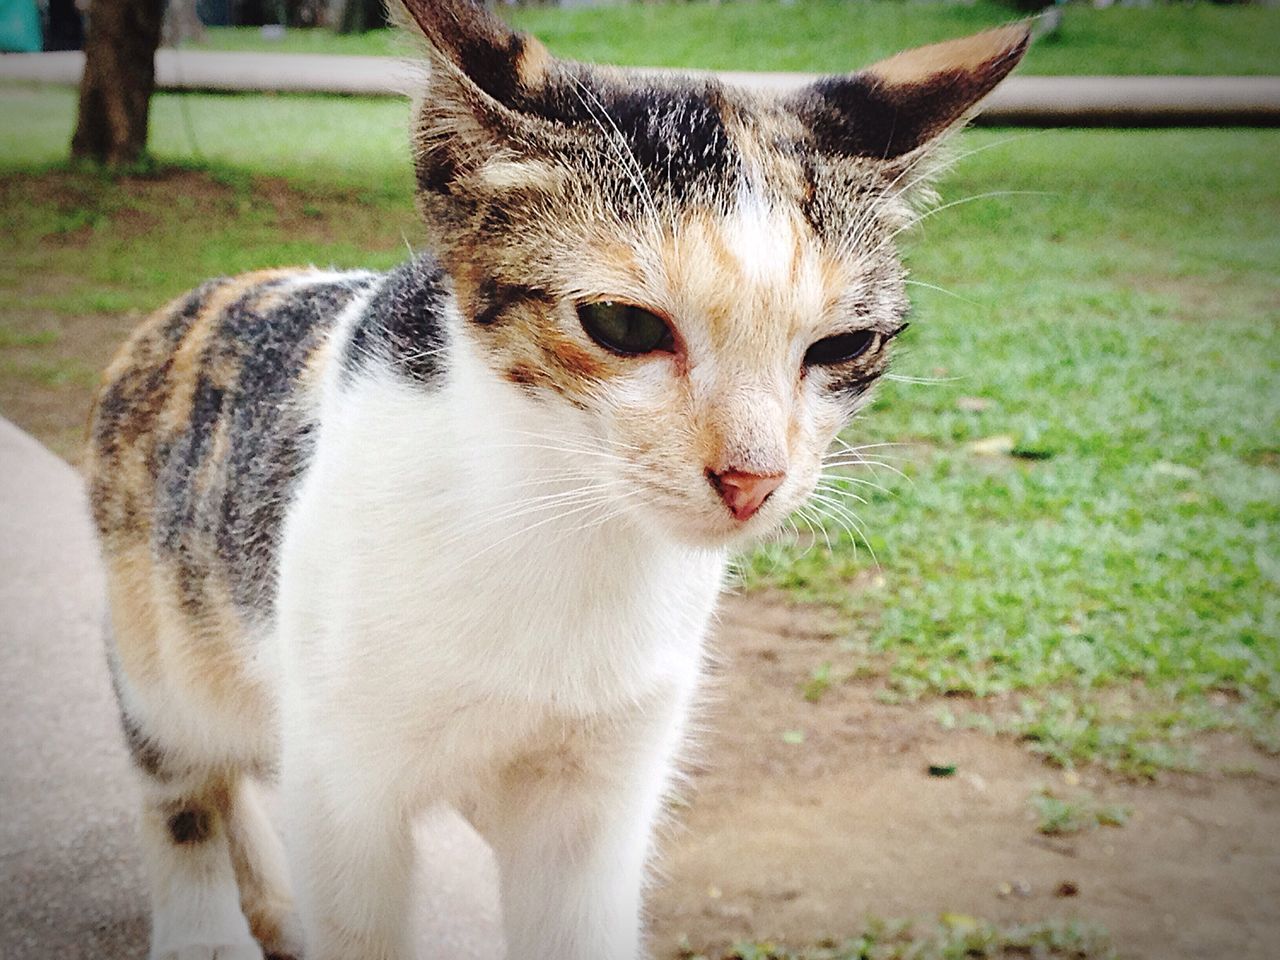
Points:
x=57 y=409
x=796 y=841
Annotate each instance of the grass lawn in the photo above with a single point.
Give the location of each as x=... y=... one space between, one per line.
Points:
x=839 y=35
x=1084 y=548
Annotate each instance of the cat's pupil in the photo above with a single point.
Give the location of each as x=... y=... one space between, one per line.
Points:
x=624 y=328
x=841 y=348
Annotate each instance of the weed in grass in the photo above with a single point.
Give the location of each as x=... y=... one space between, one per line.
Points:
x=1060 y=816
x=10 y=337
x=953 y=937
x=818 y=683
x=50 y=373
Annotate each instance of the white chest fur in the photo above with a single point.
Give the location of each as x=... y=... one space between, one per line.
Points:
x=452 y=547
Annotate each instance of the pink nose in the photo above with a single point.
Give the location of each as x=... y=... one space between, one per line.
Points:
x=744 y=493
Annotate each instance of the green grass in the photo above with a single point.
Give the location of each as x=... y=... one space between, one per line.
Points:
x=352 y=148
x=839 y=35
x=952 y=937
x=82 y=255
x=348 y=151
x=335 y=153
x=1105 y=587
x=1058 y=816
x=345 y=142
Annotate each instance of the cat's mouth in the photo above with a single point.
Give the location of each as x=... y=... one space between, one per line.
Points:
x=711 y=521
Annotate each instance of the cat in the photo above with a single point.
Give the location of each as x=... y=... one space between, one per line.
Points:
x=451 y=536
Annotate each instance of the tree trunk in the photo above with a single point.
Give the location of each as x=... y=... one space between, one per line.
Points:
x=119 y=75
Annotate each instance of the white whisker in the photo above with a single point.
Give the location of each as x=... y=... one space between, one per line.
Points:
x=944 y=290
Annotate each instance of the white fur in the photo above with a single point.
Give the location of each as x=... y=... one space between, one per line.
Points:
x=760 y=239
x=441 y=647
x=195 y=903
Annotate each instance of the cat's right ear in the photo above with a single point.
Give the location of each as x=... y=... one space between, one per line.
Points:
x=472 y=45
x=482 y=96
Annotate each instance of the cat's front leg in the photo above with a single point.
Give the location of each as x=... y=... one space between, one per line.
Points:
x=351 y=855
x=572 y=869
x=572 y=834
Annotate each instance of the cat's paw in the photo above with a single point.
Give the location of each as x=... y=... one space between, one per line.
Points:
x=231 y=951
x=282 y=948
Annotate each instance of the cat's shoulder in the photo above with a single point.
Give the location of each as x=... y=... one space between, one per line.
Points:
x=403 y=323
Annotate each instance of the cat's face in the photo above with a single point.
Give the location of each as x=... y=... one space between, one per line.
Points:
x=707 y=278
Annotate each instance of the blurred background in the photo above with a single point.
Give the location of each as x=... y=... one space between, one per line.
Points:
x=1012 y=687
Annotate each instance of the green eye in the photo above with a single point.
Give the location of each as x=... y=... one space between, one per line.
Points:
x=841 y=348
x=625 y=329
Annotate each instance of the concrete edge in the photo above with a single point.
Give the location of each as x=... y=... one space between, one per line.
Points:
x=1025 y=101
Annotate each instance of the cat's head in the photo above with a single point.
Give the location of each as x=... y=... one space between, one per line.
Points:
x=706 y=276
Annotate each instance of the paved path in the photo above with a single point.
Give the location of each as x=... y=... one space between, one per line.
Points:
x=70 y=882
x=1032 y=101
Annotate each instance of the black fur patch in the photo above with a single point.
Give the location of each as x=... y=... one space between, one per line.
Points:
x=191 y=826
x=674 y=139
x=148 y=757
x=435 y=169
x=143 y=750
x=852 y=385
x=491 y=62
x=270 y=436
x=127 y=407
x=192 y=306
x=178 y=518
x=402 y=325
x=494 y=299
x=862 y=115
x=678 y=138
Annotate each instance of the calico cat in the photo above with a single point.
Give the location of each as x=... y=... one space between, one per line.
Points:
x=451 y=536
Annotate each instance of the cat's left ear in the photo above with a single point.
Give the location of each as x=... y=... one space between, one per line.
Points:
x=910 y=100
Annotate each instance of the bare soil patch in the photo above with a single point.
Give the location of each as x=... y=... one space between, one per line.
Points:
x=798 y=841
x=48 y=388
x=50 y=360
